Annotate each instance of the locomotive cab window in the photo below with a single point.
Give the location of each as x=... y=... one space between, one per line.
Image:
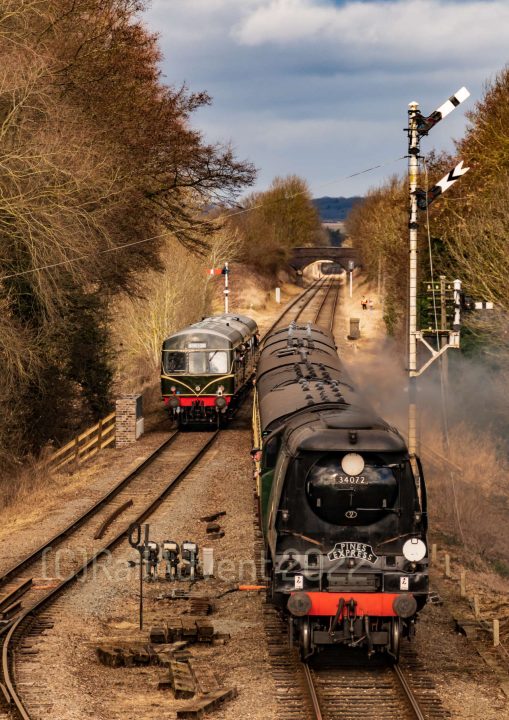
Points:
x=214 y=362
x=198 y=363
x=359 y=496
x=270 y=452
x=218 y=362
x=174 y=362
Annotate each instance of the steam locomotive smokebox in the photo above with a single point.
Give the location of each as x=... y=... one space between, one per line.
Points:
x=129 y=419
x=355 y=332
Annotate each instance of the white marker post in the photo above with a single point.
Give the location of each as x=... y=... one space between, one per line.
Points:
x=351 y=266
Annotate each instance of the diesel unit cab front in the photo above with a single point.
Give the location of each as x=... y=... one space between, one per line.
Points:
x=206 y=368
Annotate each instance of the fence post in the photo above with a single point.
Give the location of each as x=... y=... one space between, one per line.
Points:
x=76 y=450
x=434 y=553
x=477 y=612
x=447 y=565
x=100 y=435
x=496 y=632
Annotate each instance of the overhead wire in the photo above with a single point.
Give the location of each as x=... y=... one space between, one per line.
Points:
x=197 y=225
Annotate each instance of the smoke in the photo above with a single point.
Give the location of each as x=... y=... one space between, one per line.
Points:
x=472 y=391
x=468 y=506
x=380 y=379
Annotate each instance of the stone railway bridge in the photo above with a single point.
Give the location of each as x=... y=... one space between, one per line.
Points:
x=303 y=256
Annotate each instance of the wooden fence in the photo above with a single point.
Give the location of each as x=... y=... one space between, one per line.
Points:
x=85 y=445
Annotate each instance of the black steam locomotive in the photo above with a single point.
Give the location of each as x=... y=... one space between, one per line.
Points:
x=343 y=510
x=206 y=369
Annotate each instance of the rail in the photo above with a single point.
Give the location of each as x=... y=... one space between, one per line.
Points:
x=331 y=689
x=317 y=711
x=14 y=631
x=405 y=685
x=332 y=286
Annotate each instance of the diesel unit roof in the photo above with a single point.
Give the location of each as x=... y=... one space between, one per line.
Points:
x=233 y=329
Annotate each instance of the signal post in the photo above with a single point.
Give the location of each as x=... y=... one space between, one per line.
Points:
x=413 y=225
x=419 y=126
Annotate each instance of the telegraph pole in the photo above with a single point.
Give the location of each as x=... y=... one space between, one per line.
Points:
x=413 y=225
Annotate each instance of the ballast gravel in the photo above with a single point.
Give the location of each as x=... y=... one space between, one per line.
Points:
x=106 y=606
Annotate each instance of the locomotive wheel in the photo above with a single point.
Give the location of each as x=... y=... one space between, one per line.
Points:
x=395 y=639
x=305 y=639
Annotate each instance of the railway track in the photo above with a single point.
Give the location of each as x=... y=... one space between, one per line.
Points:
x=300 y=303
x=379 y=692
x=53 y=569
x=35 y=582
x=8 y=576
x=326 y=312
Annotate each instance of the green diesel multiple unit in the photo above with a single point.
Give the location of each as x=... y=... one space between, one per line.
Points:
x=206 y=368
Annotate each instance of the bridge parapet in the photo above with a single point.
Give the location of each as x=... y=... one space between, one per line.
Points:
x=303 y=256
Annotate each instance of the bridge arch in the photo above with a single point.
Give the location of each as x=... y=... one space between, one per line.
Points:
x=303 y=256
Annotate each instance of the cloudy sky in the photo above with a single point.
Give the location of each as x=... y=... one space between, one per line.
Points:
x=320 y=88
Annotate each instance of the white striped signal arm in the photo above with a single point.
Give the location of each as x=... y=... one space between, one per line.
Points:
x=448 y=180
x=424 y=199
x=448 y=106
x=425 y=124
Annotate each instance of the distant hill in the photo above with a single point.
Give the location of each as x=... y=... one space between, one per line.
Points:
x=334 y=209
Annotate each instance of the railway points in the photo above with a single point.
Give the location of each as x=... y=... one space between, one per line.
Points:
x=38 y=595
x=68 y=566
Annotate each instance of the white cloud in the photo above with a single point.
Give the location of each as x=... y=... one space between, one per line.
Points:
x=321 y=88
x=367 y=32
